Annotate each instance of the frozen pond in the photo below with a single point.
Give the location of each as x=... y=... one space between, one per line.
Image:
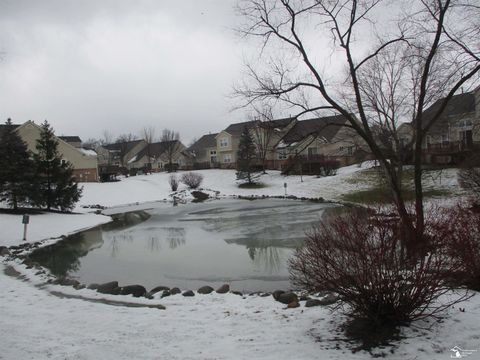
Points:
x=243 y=243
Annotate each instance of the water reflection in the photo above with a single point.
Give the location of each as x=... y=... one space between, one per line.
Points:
x=240 y=242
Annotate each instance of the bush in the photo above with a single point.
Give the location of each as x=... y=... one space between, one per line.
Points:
x=173 y=181
x=360 y=257
x=192 y=180
x=462 y=235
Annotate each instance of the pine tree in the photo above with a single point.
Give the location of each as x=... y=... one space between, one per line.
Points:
x=16 y=168
x=55 y=185
x=246 y=155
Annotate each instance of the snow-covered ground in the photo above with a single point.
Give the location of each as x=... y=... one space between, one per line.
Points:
x=36 y=324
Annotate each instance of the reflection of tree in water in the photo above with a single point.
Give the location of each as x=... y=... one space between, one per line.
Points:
x=154 y=244
x=64 y=257
x=175 y=237
x=116 y=240
x=264 y=254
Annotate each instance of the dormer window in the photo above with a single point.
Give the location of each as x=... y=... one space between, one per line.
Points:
x=223 y=142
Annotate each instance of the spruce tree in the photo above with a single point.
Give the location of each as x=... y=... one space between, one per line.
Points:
x=246 y=156
x=55 y=185
x=16 y=168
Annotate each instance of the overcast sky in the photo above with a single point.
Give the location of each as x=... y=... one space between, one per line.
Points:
x=119 y=65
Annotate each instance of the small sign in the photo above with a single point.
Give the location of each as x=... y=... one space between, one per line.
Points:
x=26 y=219
x=285 y=185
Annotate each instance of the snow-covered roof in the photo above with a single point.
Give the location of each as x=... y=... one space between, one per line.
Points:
x=88 y=152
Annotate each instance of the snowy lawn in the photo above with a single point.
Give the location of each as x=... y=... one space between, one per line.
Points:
x=36 y=324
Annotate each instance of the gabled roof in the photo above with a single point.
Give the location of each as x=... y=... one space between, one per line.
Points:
x=458 y=104
x=125 y=145
x=157 y=149
x=237 y=129
x=325 y=127
x=279 y=123
x=206 y=141
x=70 y=139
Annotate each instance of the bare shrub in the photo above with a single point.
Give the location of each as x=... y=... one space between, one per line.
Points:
x=192 y=180
x=173 y=181
x=361 y=257
x=469 y=176
x=462 y=229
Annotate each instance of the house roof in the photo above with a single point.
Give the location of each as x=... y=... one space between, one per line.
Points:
x=325 y=127
x=237 y=129
x=70 y=139
x=206 y=141
x=157 y=149
x=4 y=128
x=458 y=104
x=125 y=145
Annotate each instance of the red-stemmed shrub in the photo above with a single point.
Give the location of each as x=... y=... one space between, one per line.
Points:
x=360 y=256
x=192 y=180
x=461 y=227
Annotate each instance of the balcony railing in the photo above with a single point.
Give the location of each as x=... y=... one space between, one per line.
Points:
x=451 y=147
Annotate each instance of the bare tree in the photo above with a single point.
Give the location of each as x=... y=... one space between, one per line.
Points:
x=148 y=135
x=123 y=142
x=435 y=34
x=263 y=131
x=172 y=146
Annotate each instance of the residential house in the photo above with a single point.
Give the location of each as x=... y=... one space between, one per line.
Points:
x=456 y=133
x=227 y=144
x=84 y=162
x=315 y=140
x=119 y=153
x=204 y=152
x=265 y=135
x=157 y=156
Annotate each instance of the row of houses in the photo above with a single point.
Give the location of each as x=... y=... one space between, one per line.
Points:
x=281 y=144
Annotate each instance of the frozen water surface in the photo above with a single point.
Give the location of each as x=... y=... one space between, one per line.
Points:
x=243 y=243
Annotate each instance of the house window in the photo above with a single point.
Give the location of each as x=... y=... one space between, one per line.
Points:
x=428 y=141
x=213 y=156
x=466 y=137
x=64 y=162
x=223 y=142
x=445 y=140
x=282 y=155
x=350 y=150
x=227 y=158
x=312 y=151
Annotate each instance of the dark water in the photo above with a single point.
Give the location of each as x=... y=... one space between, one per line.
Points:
x=243 y=243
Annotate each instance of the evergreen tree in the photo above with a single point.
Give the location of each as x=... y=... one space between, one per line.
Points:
x=16 y=167
x=246 y=156
x=55 y=185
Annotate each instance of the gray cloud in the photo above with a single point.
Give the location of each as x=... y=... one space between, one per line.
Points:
x=88 y=66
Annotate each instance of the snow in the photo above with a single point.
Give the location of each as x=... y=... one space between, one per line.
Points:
x=88 y=152
x=40 y=321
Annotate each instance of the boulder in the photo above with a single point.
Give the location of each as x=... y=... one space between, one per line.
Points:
x=264 y=294
x=156 y=290
x=239 y=293
x=313 y=302
x=276 y=294
x=4 y=251
x=66 y=282
x=223 y=289
x=93 y=286
x=293 y=304
x=287 y=298
x=175 y=290
x=188 y=293
x=199 y=196
x=166 y=293
x=205 y=290
x=135 y=290
x=329 y=299
x=109 y=288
